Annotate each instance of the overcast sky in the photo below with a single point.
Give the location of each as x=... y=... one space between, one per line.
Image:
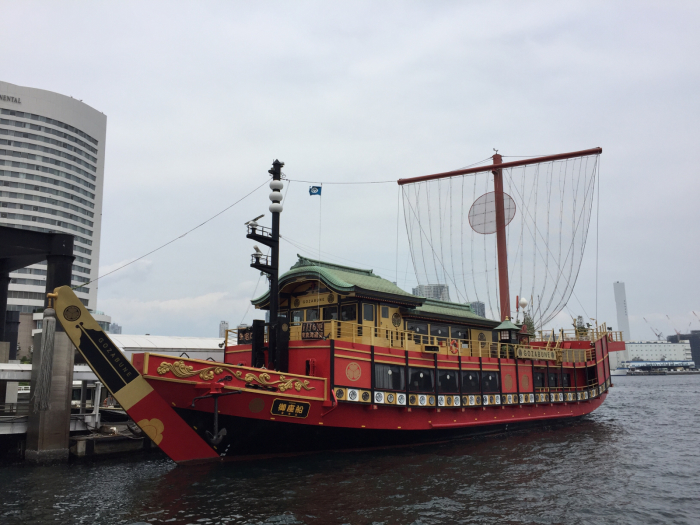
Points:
x=201 y=97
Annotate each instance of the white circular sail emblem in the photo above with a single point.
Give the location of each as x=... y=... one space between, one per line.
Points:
x=482 y=214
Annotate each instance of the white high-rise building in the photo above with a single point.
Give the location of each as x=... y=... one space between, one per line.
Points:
x=52 y=155
x=623 y=323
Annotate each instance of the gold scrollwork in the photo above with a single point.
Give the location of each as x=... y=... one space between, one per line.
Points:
x=180 y=369
x=283 y=383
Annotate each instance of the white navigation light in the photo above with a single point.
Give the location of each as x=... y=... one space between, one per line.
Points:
x=275 y=207
x=276 y=185
x=523 y=303
x=276 y=196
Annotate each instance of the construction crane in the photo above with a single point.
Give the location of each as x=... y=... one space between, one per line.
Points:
x=696 y=315
x=674 y=328
x=658 y=335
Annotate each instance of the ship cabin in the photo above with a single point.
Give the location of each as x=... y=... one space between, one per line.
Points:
x=376 y=343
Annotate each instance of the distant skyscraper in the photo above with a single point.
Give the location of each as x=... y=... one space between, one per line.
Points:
x=441 y=292
x=223 y=326
x=623 y=323
x=478 y=308
x=114 y=328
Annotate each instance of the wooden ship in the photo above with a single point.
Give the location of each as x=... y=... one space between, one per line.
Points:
x=349 y=360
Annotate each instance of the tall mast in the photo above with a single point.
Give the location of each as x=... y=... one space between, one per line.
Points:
x=504 y=291
x=276 y=173
x=270 y=265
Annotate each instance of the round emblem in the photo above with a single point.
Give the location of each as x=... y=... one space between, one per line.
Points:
x=285 y=327
x=353 y=371
x=296 y=302
x=72 y=313
x=331 y=297
x=482 y=339
x=256 y=405
x=525 y=381
x=396 y=319
x=339 y=393
x=390 y=398
x=352 y=395
x=401 y=399
x=508 y=382
x=365 y=396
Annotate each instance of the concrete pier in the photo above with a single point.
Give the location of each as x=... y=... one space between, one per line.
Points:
x=48 y=432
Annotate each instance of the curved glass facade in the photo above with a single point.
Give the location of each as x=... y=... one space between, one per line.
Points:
x=51 y=180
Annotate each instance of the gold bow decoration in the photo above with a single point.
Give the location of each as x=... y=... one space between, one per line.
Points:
x=181 y=370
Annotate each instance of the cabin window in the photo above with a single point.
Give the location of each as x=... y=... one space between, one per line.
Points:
x=539 y=380
x=283 y=316
x=330 y=313
x=447 y=381
x=385 y=312
x=389 y=377
x=566 y=380
x=421 y=379
x=367 y=312
x=348 y=312
x=297 y=316
x=490 y=379
x=440 y=331
x=312 y=314
x=470 y=382
x=418 y=328
x=459 y=332
x=553 y=379
x=505 y=335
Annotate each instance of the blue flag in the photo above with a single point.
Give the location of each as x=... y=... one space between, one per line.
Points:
x=314 y=190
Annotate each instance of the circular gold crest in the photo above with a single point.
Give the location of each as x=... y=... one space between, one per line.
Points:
x=482 y=339
x=285 y=327
x=72 y=313
x=331 y=297
x=396 y=319
x=296 y=302
x=353 y=371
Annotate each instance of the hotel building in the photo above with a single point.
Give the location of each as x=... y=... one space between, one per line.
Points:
x=52 y=155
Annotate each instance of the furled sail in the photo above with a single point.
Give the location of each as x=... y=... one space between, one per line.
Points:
x=547 y=203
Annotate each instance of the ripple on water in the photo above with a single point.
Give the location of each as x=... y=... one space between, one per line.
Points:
x=635 y=460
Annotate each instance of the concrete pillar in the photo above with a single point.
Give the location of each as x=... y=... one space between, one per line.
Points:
x=48 y=432
x=83 y=396
x=11 y=332
x=4 y=287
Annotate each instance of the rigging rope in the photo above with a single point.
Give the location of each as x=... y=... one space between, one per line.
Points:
x=173 y=240
x=545 y=238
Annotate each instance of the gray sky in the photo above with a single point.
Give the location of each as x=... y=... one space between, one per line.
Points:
x=202 y=96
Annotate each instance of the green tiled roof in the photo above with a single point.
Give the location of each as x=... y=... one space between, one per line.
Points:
x=346 y=280
x=507 y=325
x=342 y=279
x=444 y=308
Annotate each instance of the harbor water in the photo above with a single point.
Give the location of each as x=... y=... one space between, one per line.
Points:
x=635 y=460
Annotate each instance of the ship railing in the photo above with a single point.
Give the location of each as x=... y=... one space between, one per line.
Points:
x=232 y=337
x=416 y=342
x=583 y=333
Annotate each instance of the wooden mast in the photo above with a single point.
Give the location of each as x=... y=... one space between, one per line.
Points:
x=503 y=288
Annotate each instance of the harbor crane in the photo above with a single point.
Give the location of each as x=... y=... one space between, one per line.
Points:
x=674 y=328
x=658 y=335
